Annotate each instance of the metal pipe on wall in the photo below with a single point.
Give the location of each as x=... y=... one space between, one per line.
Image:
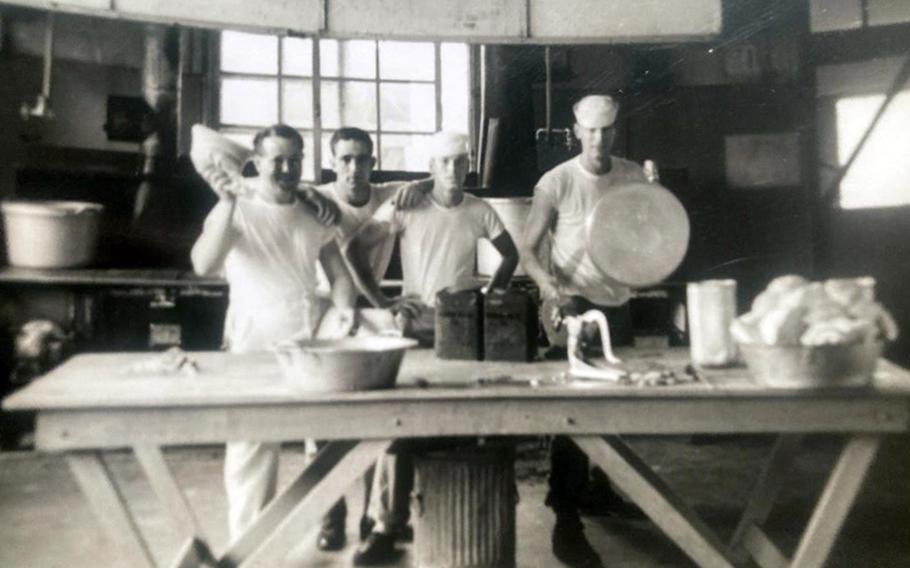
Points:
x=159 y=88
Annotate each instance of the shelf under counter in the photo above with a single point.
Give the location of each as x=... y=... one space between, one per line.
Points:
x=107 y=276
x=168 y=277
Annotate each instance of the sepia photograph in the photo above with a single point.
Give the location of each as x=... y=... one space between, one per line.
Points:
x=454 y=283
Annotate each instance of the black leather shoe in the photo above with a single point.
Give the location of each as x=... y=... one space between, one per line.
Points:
x=378 y=548
x=571 y=546
x=331 y=539
x=366 y=527
x=405 y=534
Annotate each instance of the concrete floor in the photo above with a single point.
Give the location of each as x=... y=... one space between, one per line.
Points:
x=45 y=523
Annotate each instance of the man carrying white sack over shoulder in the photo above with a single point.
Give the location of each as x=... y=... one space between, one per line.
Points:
x=268 y=242
x=438 y=247
x=570 y=284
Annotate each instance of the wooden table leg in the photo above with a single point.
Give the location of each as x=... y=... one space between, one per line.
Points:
x=667 y=510
x=763 y=550
x=161 y=478
x=109 y=505
x=836 y=500
x=193 y=553
x=299 y=507
x=761 y=501
x=172 y=498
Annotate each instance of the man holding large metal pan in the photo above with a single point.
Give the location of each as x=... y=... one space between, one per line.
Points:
x=600 y=220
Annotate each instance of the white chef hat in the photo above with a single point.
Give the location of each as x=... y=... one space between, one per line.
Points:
x=448 y=144
x=596 y=111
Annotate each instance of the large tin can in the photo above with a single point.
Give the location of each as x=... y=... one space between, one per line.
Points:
x=459 y=324
x=712 y=306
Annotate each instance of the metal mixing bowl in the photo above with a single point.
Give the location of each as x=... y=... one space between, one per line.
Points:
x=823 y=366
x=338 y=365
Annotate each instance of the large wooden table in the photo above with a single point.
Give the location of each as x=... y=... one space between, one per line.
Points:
x=90 y=405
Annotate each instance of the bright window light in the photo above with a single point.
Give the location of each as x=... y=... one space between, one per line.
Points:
x=399 y=91
x=880 y=175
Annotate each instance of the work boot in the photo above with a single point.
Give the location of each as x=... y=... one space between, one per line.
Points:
x=570 y=545
x=403 y=534
x=366 y=527
x=331 y=538
x=378 y=548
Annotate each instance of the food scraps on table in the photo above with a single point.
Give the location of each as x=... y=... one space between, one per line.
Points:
x=171 y=362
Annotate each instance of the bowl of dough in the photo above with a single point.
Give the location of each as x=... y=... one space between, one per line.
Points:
x=341 y=365
x=802 y=334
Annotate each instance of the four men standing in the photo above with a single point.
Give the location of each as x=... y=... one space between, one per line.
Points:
x=439 y=225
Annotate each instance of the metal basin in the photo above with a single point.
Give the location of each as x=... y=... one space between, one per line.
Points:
x=823 y=366
x=638 y=233
x=340 y=365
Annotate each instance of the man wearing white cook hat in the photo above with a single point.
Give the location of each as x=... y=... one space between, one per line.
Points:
x=439 y=235
x=571 y=284
x=438 y=247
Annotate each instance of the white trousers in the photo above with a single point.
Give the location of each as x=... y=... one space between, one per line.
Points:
x=251 y=468
x=389 y=498
x=250 y=477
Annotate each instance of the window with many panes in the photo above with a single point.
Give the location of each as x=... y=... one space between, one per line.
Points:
x=400 y=92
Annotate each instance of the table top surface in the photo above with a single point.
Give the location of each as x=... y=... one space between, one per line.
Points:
x=116 y=380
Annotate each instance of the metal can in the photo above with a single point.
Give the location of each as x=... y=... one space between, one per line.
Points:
x=712 y=307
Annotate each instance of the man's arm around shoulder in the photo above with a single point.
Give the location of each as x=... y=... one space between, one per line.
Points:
x=217 y=238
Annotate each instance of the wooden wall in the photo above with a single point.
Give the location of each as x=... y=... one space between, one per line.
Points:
x=680 y=103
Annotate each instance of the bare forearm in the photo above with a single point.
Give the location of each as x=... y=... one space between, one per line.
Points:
x=344 y=294
x=532 y=265
x=363 y=276
x=215 y=242
x=541 y=220
x=504 y=273
x=506 y=248
x=410 y=194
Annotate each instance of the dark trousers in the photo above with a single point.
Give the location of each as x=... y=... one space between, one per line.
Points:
x=568 y=475
x=569 y=466
x=337 y=516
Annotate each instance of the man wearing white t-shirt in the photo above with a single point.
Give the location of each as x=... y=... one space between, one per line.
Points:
x=439 y=235
x=438 y=247
x=571 y=284
x=358 y=200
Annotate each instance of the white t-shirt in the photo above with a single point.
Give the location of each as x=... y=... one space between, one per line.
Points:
x=353 y=220
x=271 y=272
x=573 y=192
x=439 y=244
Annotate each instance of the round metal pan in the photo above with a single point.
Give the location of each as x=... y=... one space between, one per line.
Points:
x=638 y=234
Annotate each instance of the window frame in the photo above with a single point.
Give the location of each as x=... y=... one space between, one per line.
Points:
x=316 y=132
